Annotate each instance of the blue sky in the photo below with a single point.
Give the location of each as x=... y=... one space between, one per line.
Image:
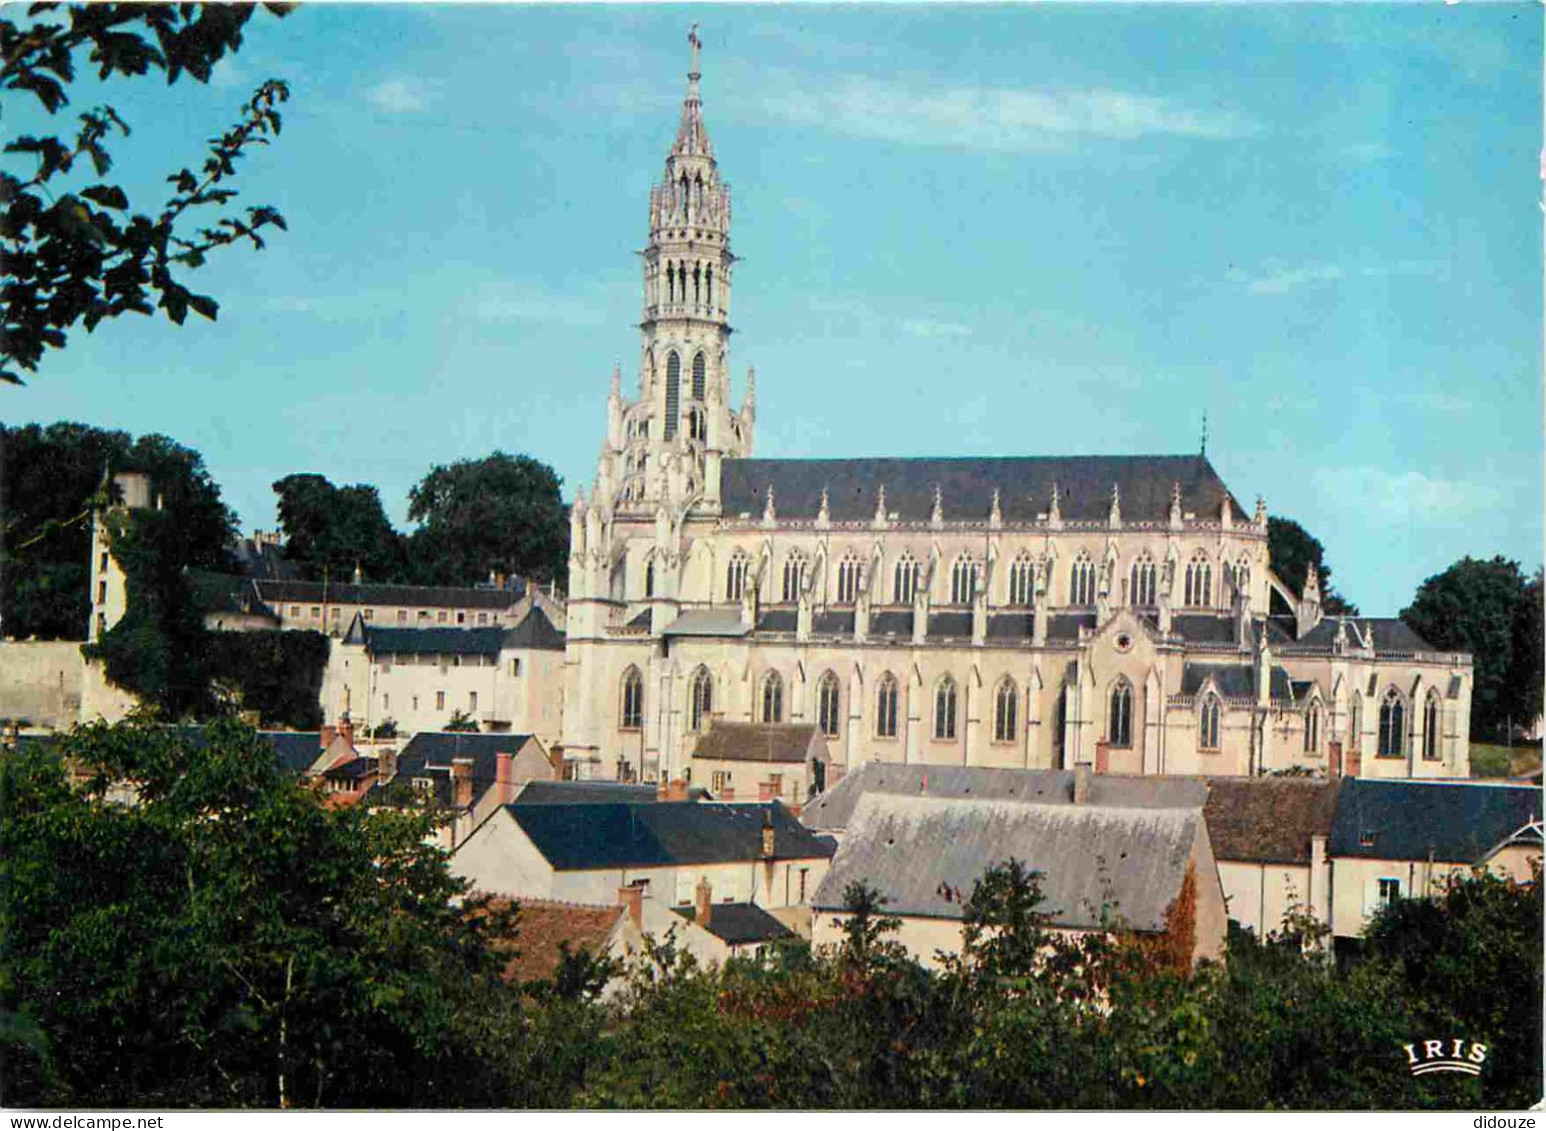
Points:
x=1048 y=229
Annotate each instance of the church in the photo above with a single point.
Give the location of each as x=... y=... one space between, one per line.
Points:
x=1115 y=611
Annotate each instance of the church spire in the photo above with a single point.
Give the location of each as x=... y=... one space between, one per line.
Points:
x=691 y=138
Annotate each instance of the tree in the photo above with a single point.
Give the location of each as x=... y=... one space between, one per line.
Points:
x=333 y=530
x=1480 y=607
x=75 y=250
x=228 y=941
x=1293 y=549
x=501 y=514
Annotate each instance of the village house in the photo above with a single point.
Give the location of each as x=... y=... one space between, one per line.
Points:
x=768 y=761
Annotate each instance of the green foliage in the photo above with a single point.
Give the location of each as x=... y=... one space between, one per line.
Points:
x=462 y=721
x=1490 y=609
x=75 y=250
x=277 y=674
x=1292 y=550
x=501 y=514
x=332 y=530
x=227 y=941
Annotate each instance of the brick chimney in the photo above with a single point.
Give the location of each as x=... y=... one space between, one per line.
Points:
x=346 y=728
x=461 y=782
x=1082 y=784
x=768 y=836
x=386 y=765
x=632 y=897
x=703 y=901
x=504 y=776
x=329 y=732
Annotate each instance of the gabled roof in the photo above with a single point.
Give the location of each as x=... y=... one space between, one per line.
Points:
x=588 y=837
x=1449 y=822
x=422 y=596
x=430 y=753
x=706 y=622
x=738 y=924
x=1269 y=820
x=757 y=742
x=535 y=631
x=966 y=486
x=1234 y=681
x=1390 y=634
x=925 y=854
x=582 y=793
x=835 y=808
x=431 y=641
x=297 y=750
x=542 y=925
x=227 y=593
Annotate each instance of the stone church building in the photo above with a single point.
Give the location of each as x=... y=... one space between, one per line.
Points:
x=1038 y=611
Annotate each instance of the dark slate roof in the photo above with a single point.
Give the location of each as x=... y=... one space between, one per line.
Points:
x=739 y=923
x=347 y=593
x=582 y=793
x=352 y=770
x=1011 y=626
x=588 y=837
x=950 y=624
x=1390 y=634
x=925 y=854
x=1268 y=820
x=892 y=622
x=756 y=742
x=535 y=631
x=1454 y=822
x=297 y=750
x=1234 y=681
x=1205 y=628
x=1024 y=484
x=264 y=559
x=434 y=641
x=834 y=622
x=439 y=748
x=640 y=620
x=707 y=622
x=1066 y=626
x=778 y=620
x=227 y=593
x=834 y=809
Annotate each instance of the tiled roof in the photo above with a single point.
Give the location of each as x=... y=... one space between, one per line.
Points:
x=739 y=924
x=834 y=809
x=582 y=793
x=1234 y=681
x=227 y=593
x=588 y=837
x=1449 y=822
x=756 y=742
x=535 y=631
x=707 y=622
x=1205 y=628
x=541 y=925
x=420 y=596
x=925 y=854
x=966 y=485
x=1390 y=634
x=434 y=641
x=297 y=750
x=1268 y=820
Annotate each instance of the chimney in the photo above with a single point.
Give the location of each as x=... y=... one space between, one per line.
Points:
x=329 y=732
x=461 y=782
x=703 y=901
x=1082 y=784
x=386 y=765
x=346 y=728
x=504 y=776
x=767 y=834
x=632 y=897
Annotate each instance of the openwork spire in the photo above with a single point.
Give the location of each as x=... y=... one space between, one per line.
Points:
x=691 y=138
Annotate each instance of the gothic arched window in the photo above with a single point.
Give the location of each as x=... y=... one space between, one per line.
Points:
x=1431 y=727
x=702 y=699
x=1208 y=728
x=1119 y=721
x=907 y=577
x=673 y=393
x=1142 y=590
x=1081 y=581
x=632 y=717
x=827 y=703
x=1199 y=581
x=735 y=576
x=709 y=275
x=1022 y=578
x=1392 y=724
x=963 y=580
x=1241 y=577
x=699 y=376
x=848 y=580
x=773 y=698
x=885 y=707
x=1312 y=729
x=945 y=709
x=1006 y=703
x=794 y=576
x=670 y=282
x=649 y=578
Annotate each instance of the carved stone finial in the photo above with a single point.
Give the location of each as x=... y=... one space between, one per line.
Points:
x=880 y=506
x=1055 y=512
x=617 y=381
x=995 y=514
x=937 y=515
x=1175 y=506
x=1116 y=505
x=823 y=513
x=1261 y=511
x=1227 y=512
x=769 y=515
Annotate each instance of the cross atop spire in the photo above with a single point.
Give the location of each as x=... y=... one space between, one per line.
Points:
x=691 y=138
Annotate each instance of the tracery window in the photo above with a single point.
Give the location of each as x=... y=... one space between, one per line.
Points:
x=1392 y=724
x=885 y=707
x=1240 y=577
x=945 y=709
x=848 y=580
x=1022 y=578
x=1312 y=729
x=963 y=580
x=1208 y=730
x=1199 y=581
x=632 y=716
x=1006 y=704
x=673 y=393
x=908 y=574
x=1142 y=588
x=699 y=371
x=1431 y=727
x=794 y=576
x=1081 y=581
x=735 y=576
x=1119 y=720
x=702 y=706
x=827 y=704
x=773 y=698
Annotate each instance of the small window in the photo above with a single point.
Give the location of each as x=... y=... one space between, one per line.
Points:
x=102 y=592
x=102 y=562
x=1119 y=723
x=441 y=617
x=515 y=666
x=440 y=700
x=828 y=702
x=483 y=618
x=773 y=698
x=1392 y=725
x=649 y=578
x=461 y=617
x=415 y=702
x=1390 y=890
x=719 y=781
x=1312 y=729
x=316 y=613
x=1366 y=838
x=472 y=701
x=632 y=717
x=1005 y=707
x=885 y=707
x=369 y=614
x=402 y=616
x=701 y=709
x=386 y=701
x=945 y=709
x=1208 y=729
x=1431 y=728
